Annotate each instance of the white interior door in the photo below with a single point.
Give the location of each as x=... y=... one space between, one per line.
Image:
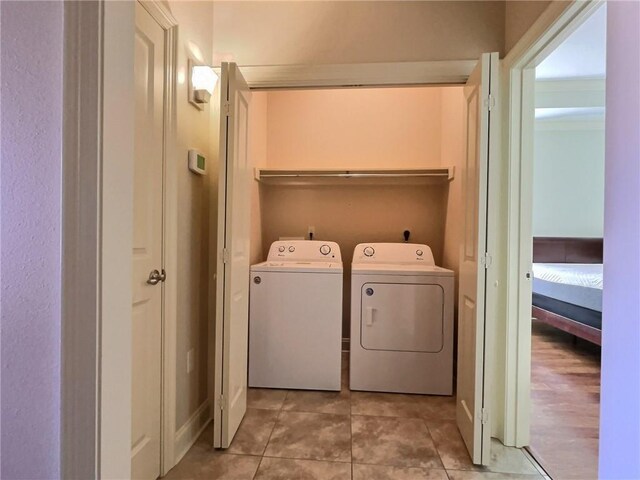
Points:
x=147 y=247
x=472 y=408
x=232 y=305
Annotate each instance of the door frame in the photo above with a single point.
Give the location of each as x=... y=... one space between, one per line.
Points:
x=392 y=74
x=554 y=25
x=98 y=143
x=169 y=24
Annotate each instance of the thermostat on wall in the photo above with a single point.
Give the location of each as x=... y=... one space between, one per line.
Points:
x=197 y=162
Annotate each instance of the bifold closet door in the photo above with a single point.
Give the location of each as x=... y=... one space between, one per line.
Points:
x=472 y=397
x=232 y=289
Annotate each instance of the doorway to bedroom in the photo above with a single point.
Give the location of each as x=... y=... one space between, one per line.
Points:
x=567 y=231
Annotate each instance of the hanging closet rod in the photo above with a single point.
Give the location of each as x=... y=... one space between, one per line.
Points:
x=408 y=173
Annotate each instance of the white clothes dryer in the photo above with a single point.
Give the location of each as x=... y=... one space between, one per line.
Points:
x=401 y=320
x=295 y=317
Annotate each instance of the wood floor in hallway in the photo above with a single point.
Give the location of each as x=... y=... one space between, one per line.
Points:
x=565 y=402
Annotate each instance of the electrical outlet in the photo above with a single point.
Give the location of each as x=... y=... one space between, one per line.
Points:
x=190 y=357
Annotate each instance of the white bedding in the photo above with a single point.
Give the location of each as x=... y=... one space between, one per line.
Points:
x=576 y=283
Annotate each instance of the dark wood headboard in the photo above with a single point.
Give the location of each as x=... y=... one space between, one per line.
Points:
x=567 y=250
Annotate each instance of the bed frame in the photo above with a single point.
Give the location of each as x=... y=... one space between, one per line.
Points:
x=567 y=250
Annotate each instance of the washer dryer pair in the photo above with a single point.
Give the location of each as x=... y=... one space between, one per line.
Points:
x=401 y=320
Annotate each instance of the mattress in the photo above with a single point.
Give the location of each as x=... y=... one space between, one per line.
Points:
x=574 y=283
x=579 y=314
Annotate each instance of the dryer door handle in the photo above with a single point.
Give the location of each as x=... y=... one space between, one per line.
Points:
x=368 y=321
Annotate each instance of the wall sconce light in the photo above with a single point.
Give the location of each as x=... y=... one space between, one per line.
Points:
x=202 y=82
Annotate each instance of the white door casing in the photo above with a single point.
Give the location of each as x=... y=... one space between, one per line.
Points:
x=472 y=397
x=147 y=246
x=232 y=295
x=552 y=28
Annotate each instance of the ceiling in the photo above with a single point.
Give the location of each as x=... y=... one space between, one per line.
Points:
x=582 y=54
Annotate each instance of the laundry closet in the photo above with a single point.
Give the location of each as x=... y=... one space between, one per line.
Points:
x=357 y=165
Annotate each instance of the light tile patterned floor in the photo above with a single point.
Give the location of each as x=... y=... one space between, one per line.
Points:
x=301 y=435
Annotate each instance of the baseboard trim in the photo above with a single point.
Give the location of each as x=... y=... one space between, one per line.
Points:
x=188 y=433
x=346 y=344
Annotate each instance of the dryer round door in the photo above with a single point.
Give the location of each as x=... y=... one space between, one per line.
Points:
x=402 y=317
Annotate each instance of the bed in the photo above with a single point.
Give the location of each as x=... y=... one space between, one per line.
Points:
x=567 y=285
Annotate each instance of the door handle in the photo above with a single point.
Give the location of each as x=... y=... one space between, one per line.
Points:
x=369 y=317
x=156 y=277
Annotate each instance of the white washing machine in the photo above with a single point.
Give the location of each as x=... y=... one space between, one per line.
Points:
x=401 y=320
x=295 y=317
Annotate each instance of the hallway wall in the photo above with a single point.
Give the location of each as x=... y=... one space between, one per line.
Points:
x=619 y=413
x=30 y=256
x=333 y=32
x=519 y=15
x=195 y=129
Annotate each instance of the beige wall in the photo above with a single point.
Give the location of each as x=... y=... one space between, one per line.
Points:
x=364 y=127
x=333 y=32
x=258 y=158
x=360 y=128
x=519 y=15
x=194 y=130
x=453 y=154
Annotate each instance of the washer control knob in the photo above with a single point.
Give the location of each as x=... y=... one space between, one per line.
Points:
x=292 y=249
x=281 y=249
x=369 y=251
x=325 y=249
x=419 y=252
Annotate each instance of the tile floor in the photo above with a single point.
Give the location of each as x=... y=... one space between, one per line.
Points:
x=306 y=435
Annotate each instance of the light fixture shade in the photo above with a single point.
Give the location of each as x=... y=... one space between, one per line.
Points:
x=203 y=78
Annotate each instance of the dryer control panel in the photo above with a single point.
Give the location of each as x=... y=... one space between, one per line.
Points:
x=396 y=253
x=304 y=250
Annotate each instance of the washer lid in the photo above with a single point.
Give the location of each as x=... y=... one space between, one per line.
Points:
x=298 y=267
x=400 y=269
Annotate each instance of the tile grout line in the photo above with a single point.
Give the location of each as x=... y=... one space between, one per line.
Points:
x=264 y=450
x=424 y=422
x=307 y=459
x=255 y=474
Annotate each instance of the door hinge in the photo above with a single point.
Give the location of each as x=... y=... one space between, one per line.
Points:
x=490 y=102
x=221 y=402
x=486 y=260
x=226 y=108
x=484 y=416
x=225 y=255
